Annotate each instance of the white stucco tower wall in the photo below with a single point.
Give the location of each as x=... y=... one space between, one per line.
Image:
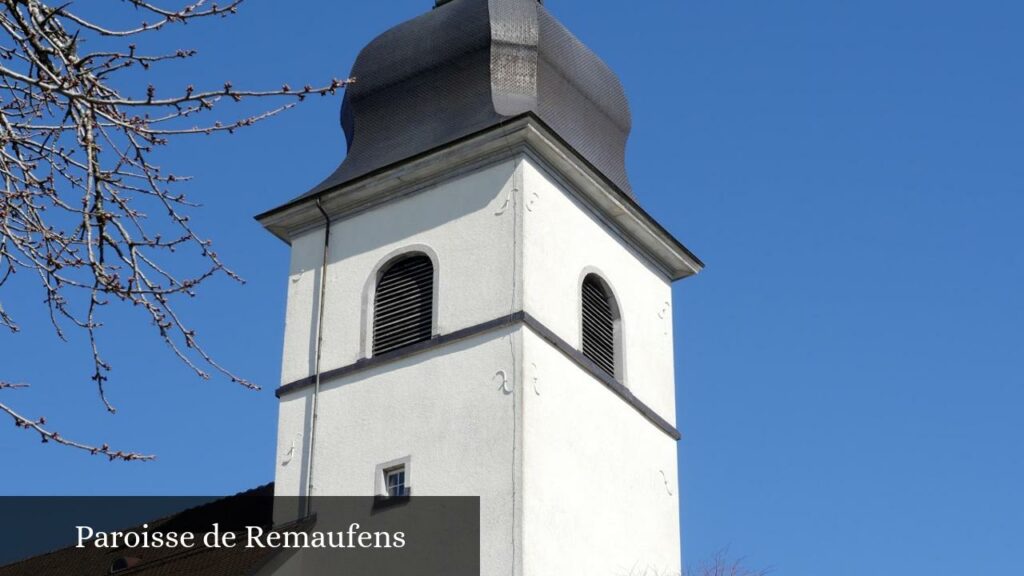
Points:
x=575 y=467
x=442 y=411
x=600 y=491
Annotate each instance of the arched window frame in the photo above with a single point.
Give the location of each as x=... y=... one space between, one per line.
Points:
x=370 y=292
x=618 y=329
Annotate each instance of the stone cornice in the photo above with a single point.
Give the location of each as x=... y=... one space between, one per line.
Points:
x=525 y=134
x=515 y=319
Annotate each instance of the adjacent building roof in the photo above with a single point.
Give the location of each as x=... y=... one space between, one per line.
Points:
x=254 y=507
x=469 y=65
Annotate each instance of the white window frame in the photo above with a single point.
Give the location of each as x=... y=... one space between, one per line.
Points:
x=386 y=469
x=370 y=292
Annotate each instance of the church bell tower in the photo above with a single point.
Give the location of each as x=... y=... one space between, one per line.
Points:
x=478 y=305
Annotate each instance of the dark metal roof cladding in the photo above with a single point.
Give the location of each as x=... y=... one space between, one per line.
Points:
x=468 y=65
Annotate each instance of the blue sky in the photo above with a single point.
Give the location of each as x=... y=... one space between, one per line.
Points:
x=850 y=388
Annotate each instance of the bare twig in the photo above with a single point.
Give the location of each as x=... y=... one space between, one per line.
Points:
x=47 y=436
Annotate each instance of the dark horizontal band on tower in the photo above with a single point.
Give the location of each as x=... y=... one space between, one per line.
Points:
x=520 y=317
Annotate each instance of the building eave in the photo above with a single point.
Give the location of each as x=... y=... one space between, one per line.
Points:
x=527 y=134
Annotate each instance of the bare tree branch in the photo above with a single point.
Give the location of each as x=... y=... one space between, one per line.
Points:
x=722 y=565
x=84 y=208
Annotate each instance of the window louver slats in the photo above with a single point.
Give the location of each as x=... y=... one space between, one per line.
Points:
x=598 y=326
x=403 y=311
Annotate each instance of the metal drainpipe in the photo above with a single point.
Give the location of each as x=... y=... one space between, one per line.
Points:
x=319 y=354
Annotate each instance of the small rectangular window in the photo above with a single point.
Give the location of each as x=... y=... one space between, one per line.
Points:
x=394 y=481
x=392 y=484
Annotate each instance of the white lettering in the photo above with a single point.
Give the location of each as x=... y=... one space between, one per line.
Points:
x=253 y=536
x=82 y=537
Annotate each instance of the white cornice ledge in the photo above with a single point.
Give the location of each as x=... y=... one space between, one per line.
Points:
x=526 y=134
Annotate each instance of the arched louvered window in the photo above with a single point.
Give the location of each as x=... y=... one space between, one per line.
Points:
x=403 y=307
x=600 y=324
